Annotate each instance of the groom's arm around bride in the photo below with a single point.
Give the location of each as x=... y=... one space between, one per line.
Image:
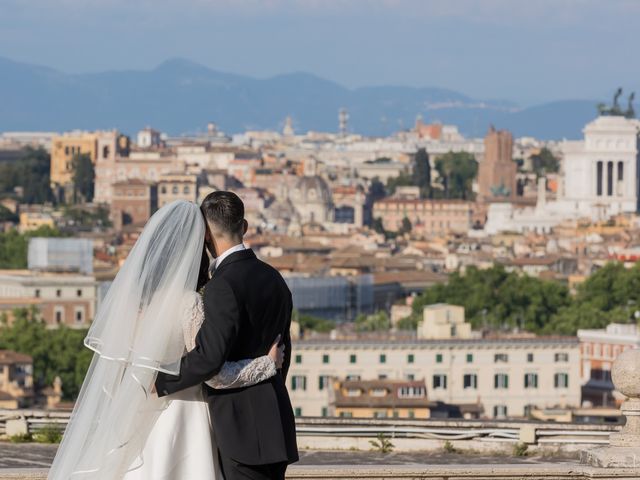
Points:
x=247 y=304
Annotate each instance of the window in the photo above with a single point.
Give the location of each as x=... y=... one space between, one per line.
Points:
x=185 y=189
x=501 y=380
x=353 y=377
x=412 y=392
x=380 y=414
x=325 y=412
x=383 y=358
x=59 y=314
x=382 y=376
x=469 y=357
x=352 y=358
x=410 y=358
x=174 y=190
x=78 y=293
x=298 y=382
x=561 y=380
x=323 y=382
x=298 y=358
x=470 y=380
x=378 y=392
x=346 y=414
x=530 y=380
x=500 y=411
x=561 y=357
x=410 y=376
x=79 y=315
x=353 y=392
x=58 y=293
x=411 y=414
x=163 y=190
x=501 y=358
x=325 y=358
x=38 y=293
x=530 y=357
x=438 y=358
x=297 y=411
x=440 y=381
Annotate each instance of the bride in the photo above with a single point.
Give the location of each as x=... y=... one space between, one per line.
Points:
x=119 y=429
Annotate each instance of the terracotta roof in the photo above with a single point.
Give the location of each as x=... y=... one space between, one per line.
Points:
x=391 y=399
x=8 y=357
x=415 y=276
x=4 y=396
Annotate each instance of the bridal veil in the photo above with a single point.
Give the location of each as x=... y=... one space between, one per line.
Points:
x=136 y=333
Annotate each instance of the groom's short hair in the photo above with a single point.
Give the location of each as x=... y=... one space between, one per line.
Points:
x=224 y=211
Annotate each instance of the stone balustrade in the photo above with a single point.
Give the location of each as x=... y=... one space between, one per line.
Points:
x=619 y=458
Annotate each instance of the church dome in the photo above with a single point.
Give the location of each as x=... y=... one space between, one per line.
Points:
x=312 y=189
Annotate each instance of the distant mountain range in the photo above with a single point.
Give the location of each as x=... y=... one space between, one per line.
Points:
x=181 y=96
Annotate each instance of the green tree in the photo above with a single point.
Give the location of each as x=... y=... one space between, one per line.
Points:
x=495 y=298
x=14 y=246
x=422 y=173
x=55 y=353
x=402 y=180
x=315 y=324
x=32 y=173
x=378 y=321
x=7 y=215
x=83 y=178
x=406 y=226
x=545 y=162
x=88 y=218
x=457 y=171
x=377 y=190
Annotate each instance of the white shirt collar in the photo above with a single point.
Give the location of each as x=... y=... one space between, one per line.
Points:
x=226 y=253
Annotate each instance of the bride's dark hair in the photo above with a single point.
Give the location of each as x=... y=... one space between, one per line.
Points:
x=203 y=274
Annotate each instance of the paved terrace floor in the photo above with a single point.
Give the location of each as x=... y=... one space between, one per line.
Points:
x=33 y=455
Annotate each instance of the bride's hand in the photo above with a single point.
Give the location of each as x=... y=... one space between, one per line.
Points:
x=276 y=353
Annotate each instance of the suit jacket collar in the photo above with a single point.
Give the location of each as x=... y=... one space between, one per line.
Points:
x=234 y=257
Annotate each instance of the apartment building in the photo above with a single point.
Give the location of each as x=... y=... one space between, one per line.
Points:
x=60 y=298
x=507 y=376
x=427 y=217
x=600 y=348
x=16 y=379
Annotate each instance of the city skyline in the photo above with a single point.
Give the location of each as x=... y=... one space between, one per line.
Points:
x=488 y=50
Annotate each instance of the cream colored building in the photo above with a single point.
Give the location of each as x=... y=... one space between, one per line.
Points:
x=33 y=220
x=507 y=376
x=61 y=298
x=16 y=379
x=442 y=321
x=101 y=146
x=177 y=186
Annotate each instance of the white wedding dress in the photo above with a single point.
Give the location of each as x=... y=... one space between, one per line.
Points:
x=180 y=445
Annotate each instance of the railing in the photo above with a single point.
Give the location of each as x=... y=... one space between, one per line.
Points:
x=532 y=432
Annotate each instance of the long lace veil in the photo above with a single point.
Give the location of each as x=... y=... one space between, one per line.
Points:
x=136 y=333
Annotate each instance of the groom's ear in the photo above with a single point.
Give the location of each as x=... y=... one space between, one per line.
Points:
x=245 y=227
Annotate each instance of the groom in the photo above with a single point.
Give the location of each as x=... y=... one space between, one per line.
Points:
x=247 y=304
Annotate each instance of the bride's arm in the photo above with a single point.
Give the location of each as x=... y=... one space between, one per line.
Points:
x=232 y=374
x=245 y=373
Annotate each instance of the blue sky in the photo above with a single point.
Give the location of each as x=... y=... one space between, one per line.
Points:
x=528 y=51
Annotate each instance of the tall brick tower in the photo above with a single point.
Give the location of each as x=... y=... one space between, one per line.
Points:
x=497 y=171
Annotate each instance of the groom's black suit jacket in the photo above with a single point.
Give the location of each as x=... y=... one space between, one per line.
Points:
x=247 y=304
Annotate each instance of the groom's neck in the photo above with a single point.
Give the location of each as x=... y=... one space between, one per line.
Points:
x=224 y=244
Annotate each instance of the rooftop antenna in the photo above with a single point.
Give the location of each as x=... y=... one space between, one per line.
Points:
x=343 y=119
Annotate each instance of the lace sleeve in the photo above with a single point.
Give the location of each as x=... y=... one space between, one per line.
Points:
x=192 y=319
x=243 y=373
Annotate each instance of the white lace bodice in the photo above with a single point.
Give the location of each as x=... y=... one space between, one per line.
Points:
x=242 y=373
